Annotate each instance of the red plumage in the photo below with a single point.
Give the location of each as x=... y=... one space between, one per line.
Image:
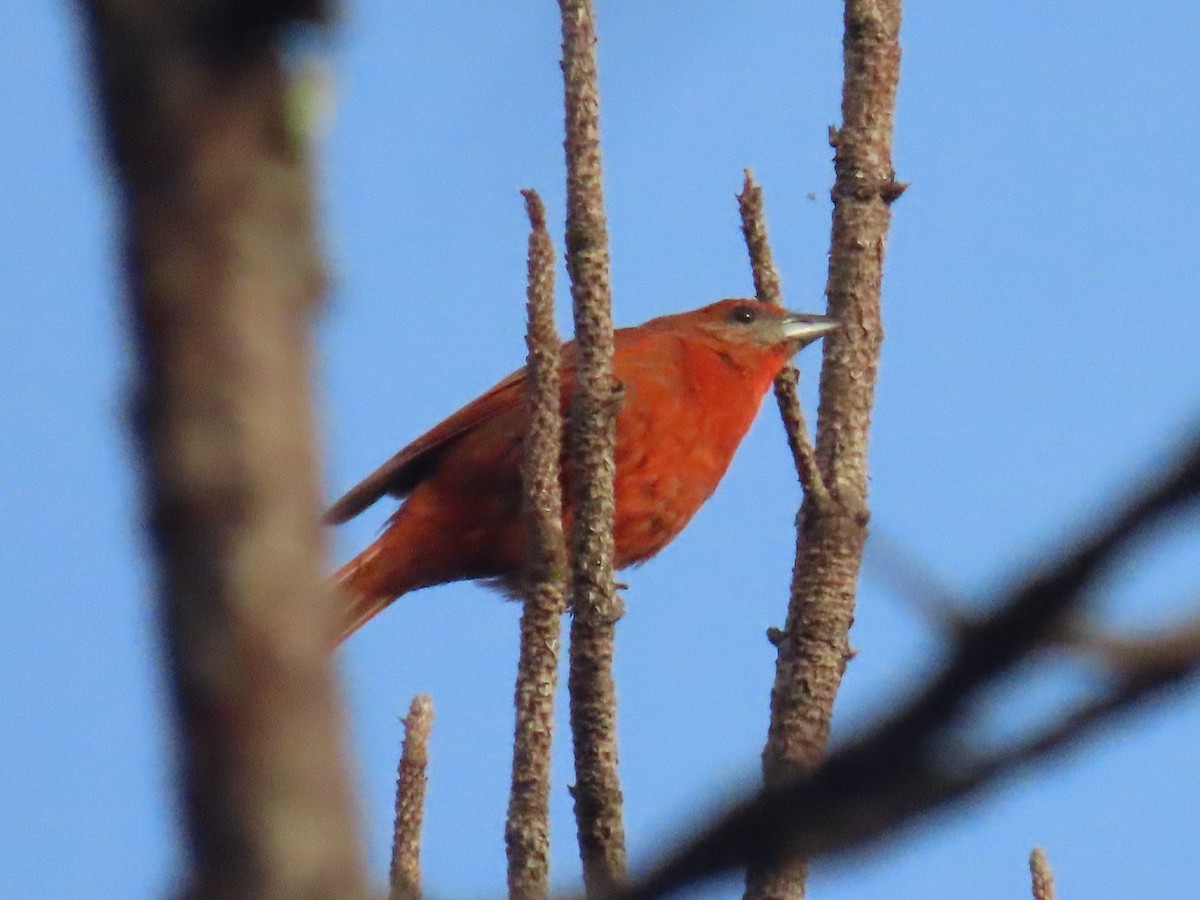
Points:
x=693 y=383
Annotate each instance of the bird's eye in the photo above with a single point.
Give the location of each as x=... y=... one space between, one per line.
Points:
x=743 y=315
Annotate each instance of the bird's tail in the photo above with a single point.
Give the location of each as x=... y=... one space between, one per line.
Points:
x=367 y=585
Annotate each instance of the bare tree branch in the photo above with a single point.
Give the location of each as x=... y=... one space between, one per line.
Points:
x=223 y=277
x=404 y=876
x=915 y=763
x=527 y=830
x=813 y=646
x=787 y=385
x=846 y=805
x=595 y=604
x=1043 y=878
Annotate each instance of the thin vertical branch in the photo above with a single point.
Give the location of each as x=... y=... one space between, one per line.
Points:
x=1042 y=877
x=787 y=385
x=527 y=830
x=592 y=436
x=223 y=279
x=813 y=646
x=404 y=876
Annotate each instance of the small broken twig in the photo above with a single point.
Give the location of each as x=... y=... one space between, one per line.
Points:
x=787 y=385
x=1042 y=877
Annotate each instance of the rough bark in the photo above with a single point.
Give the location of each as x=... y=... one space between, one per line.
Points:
x=404 y=874
x=1041 y=875
x=527 y=829
x=595 y=604
x=767 y=289
x=813 y=647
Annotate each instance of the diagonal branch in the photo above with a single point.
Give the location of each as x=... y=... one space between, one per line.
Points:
x=787 y=385
x=913 y=764
x=1035 y=612
x=846 y=804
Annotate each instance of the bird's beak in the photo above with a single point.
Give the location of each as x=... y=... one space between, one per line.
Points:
x=804 y=328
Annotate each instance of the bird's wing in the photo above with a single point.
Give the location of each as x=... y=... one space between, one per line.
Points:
x=404 y=471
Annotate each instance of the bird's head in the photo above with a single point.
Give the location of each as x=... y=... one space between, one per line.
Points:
x=741 y=321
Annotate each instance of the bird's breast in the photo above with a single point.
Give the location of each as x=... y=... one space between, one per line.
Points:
x=677 y=432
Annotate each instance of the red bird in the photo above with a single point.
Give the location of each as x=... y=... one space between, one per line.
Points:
x=693 y=383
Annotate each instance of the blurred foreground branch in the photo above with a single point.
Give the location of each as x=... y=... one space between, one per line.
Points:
x=223 y=278
x=916 y=762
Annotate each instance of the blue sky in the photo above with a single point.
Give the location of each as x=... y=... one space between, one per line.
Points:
x=1043 y=346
